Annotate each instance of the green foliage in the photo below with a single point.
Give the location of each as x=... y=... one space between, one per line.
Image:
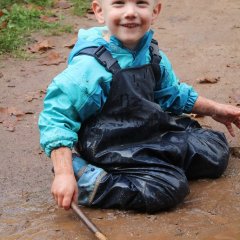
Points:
x=81 y=6
x=8 y=3
x=19 y=18
x=19 y=21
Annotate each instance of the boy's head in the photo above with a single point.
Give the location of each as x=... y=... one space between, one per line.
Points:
x=127 y=20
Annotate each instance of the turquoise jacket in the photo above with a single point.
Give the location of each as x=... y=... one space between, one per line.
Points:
x=81 y=90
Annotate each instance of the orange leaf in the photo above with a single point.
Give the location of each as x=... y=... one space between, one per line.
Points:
x=1 y=13
x=49 y=19
x=53 y=58
x=42 y=46
x=209 y=80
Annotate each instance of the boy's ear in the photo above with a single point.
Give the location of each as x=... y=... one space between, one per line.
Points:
x=156 y=11
x=98 y=11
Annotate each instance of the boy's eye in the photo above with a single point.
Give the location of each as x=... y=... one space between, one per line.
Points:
x=118 y=3
x=142 y=3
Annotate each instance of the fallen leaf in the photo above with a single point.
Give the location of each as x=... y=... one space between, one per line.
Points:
x=208 y=80
x=71 y=43
x=3 y=25
x=1 y=74
x=29 y=112
x=42 y=46
x=35 y=95
x=9 y=117
x=53 y=58
x=49 y=19
x=1 y=13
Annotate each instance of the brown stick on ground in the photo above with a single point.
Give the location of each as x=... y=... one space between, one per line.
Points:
x=91 y=226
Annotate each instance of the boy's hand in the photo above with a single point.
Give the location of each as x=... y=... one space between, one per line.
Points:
x=64 y=186
x=223 y=113
x=64 y=190
x=228 y=115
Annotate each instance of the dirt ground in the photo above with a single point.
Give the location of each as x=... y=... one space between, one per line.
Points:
x=201 y=38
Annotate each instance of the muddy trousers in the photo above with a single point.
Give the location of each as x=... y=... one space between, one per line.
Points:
x=153 y=180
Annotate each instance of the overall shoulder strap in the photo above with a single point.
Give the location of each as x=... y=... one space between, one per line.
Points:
x=155 y=59
x=103 y=56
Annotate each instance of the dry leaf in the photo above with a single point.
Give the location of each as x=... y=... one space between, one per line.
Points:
x=53 y=58
x=209 y=80
x=9 y=117
x=35 y=95
x=1 y=13
x=3 y=25
x=49 y=19
x=1 y=74
x=42 y=46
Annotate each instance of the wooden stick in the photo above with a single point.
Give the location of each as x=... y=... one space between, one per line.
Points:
x=91 y=226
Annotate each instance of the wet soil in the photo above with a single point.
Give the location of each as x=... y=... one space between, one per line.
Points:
x=202 y=40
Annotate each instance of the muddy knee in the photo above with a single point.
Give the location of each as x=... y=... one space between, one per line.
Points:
x=145 y=190
x=167 y=193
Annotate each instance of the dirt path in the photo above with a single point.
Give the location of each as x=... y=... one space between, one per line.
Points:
x=202 y=40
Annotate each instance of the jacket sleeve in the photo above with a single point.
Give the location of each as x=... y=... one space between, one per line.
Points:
x=73 y=96
x=58 y=122
x=172 y=95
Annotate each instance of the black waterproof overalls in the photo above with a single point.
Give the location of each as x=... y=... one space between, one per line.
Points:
x=147 y=153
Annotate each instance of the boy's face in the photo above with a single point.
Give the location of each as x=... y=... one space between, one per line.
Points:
x=127 y=20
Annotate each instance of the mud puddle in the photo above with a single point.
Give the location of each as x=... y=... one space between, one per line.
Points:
x=211 y=211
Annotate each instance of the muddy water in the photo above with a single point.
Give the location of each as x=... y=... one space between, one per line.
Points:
x=210 y=212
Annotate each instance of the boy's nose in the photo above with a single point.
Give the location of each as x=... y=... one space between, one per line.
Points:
x=130 y=11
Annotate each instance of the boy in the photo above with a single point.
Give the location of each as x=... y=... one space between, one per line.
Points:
x=119 y=104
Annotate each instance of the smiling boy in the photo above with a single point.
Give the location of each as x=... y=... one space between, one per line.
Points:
x=113 y=104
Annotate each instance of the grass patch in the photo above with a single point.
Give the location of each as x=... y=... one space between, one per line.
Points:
x=8 y=3
x=18 y=21
x=80 y=7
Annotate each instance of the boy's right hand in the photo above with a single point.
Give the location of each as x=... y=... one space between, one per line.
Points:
x=64 y=189
x=64 y=186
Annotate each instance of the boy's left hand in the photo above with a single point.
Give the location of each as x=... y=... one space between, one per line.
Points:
x=228 y=115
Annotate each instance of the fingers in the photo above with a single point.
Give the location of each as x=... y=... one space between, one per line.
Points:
x=237 y=122
x=60 y=200
x=75 y=196
x=64 y=200
x=230 y=129
x=66 y=203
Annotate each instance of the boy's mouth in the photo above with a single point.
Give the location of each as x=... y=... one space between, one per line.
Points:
x=130 y=25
